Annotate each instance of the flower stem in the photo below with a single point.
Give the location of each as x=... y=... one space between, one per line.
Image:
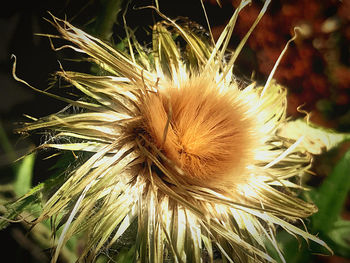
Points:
x=106 y=18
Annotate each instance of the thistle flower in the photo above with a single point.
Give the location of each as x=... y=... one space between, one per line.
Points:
x=195 y=160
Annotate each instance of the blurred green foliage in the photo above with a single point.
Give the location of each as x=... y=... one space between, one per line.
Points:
x=327 y=223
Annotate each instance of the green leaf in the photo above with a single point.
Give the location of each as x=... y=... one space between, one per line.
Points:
x=31 y=200
x=331 y=195
x=126 y=256
x=24 y=174
x=293 y=249
x=340 y=237
x=13 y=210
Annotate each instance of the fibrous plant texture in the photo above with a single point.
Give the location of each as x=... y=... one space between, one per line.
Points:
x=197 y=163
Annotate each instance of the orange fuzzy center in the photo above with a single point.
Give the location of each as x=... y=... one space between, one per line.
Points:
x=209 y=135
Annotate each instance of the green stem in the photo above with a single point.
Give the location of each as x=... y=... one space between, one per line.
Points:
x=6 y=144
x=106 y=18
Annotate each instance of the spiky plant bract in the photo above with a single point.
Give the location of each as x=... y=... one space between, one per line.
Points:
x=197 y=160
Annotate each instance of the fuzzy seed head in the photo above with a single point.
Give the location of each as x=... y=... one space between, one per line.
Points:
x=206 y=133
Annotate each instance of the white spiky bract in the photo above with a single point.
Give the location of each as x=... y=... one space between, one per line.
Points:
x=178 y=146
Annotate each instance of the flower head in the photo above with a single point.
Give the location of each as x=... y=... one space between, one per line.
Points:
x=179 y=148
